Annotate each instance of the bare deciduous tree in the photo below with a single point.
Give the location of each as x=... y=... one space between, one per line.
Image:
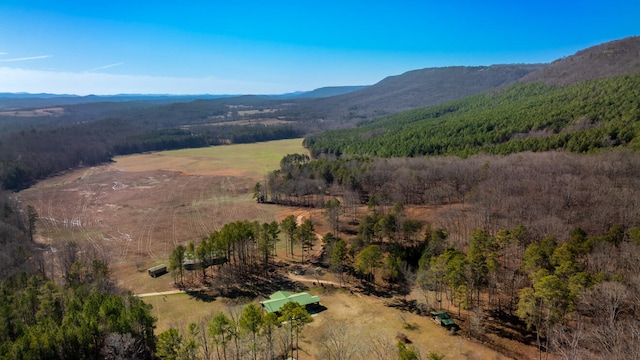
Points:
x=379 y=348
x=340 y=343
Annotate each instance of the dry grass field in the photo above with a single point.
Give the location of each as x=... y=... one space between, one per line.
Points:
x=135 y=210
x=53 y=111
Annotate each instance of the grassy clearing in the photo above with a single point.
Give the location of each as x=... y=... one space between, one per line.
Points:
x=178 y=310
x=255 y=159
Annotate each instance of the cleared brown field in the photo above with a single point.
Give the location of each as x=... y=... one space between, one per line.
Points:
x=53 y=111
x=137 y=209
x=261 y=121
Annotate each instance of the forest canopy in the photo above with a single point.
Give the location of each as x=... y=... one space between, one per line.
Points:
x=581 y=118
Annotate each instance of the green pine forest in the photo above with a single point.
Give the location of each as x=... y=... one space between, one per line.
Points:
x=581 y=118
x=86 y=317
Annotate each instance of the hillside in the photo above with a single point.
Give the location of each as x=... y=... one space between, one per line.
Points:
x=606 y=60
x=419 y=88
x=525 y=117
x=580 y=103
x=410 y=90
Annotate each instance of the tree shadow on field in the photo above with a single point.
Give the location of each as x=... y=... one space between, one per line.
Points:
x=267 y=285
x=202 y=295
x=411 y=306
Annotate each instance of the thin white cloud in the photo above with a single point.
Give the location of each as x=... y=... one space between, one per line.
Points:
x=86 y=83
x=26 y=58
x=105 y=67
x=3 y=53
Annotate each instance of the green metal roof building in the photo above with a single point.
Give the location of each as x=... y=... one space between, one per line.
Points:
x=276 y=300
x=157 y=270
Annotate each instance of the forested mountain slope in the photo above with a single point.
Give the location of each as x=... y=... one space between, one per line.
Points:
x=417 y=88
x=524 y=117
x=579 y=103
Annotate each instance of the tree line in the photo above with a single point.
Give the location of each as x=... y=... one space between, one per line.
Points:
x=577 y=297
x=240 y=249
x=549 y=193
x=35 y=147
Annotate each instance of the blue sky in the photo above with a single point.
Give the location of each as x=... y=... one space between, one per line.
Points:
x=269 y=47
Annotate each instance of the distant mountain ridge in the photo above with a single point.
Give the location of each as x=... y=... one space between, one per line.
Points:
x=28 y=100
x=21 y=100
x=417 y=88
x=347 y=105
x=322 y=92
x=436 y=85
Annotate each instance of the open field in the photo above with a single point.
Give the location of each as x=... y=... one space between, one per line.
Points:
x=134 y=211
x=246 y=160
x=261 y=121
x=53 y=111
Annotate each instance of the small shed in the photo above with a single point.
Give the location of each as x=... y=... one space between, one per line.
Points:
x=190 y=263
x=278 y=299
x=443 y=318
x=157 y=270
